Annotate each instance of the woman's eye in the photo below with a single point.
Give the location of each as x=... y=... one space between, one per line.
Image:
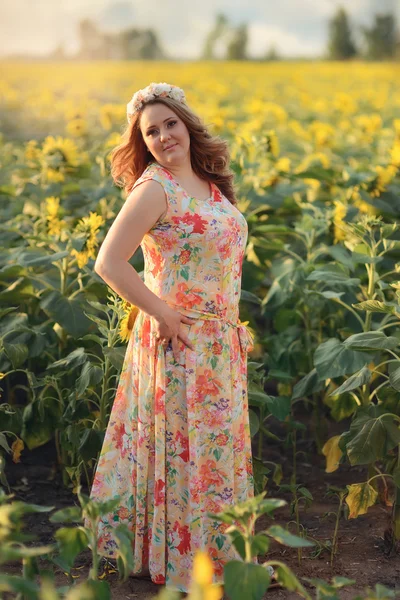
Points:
x=169 y=123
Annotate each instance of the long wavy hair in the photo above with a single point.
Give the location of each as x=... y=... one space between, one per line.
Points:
x=209 y=155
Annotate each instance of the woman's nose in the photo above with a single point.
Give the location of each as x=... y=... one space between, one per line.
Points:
x=164 y=135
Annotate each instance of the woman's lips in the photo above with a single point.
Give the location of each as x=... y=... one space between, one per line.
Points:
x=170 y=147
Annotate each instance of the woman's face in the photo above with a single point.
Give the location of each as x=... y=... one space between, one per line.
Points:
x=162 y=128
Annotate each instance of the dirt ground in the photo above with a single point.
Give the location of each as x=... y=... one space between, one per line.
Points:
x=361 y=551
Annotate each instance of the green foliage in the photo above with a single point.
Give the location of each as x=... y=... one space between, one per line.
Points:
x=341 y=45
x=245 y=578
x=380 y=38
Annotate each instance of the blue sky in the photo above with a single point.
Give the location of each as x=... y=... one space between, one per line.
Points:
x=295 y=27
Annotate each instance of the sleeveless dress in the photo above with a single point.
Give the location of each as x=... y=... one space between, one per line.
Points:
x=178 y=440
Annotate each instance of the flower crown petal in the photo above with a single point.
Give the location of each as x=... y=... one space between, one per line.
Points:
x=152 y=91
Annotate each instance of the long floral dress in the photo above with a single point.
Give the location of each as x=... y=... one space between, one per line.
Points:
x=178 y=440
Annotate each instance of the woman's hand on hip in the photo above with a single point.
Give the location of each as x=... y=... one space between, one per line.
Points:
x=169 y=328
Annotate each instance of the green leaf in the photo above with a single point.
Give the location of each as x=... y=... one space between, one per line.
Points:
x=249 y=297
x=39 y=422
x=394 y=378
x=71 y=514
x=305 y=492
x=342 y=406
x=329 y=295
x=340 y=582
x=361 y=258
x=341 y=255
x=288 y=579
x=116 y=356
x=376 y=306
x=13 y=553
x=18 y=585
x=67 y=313
x=375 y=437
x=371 y=340
x=90 y=375
x=257 y=398
x=319 y=173
x=254 y=423
x=74 y=359
x=17 y=353
x=90 y=590
x=333 y=359
x=357 y=380
x=238 y=541
x=34 y=258
x=71 y=541
x=90 y=444
x=307 y=385
x=283 y=536
x=272 y=229
x=4 y=443
x=245 y=580
x=279 y=406
x=331 y=277
x=396 y=476
x=125 y=554
x=259 y=544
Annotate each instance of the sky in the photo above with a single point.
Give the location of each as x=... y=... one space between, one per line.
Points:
x=294 y=27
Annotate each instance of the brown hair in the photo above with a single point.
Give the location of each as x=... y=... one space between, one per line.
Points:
x=209 y=155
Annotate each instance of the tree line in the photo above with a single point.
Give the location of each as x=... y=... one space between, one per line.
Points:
x=379 y=41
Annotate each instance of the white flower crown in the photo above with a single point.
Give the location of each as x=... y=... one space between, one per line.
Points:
x=150 y=92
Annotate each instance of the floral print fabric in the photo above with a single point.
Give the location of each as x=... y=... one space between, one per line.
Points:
x=178 y=441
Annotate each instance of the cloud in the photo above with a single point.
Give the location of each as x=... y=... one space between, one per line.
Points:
x=262 y=37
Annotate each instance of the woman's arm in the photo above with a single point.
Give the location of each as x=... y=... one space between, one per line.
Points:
x=142 y=209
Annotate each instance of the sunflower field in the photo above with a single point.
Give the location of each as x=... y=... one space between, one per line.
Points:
x=315 y=148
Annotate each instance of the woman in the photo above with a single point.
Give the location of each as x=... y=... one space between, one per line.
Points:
x=178 y=440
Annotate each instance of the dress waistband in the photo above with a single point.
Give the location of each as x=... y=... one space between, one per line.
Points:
x=246 y=338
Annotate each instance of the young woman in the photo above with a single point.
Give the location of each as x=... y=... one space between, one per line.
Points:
x=178 y=439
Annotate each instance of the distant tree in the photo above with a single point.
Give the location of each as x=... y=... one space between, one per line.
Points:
x=140 y=44
x=151 y=47
x=237 y=45
x=92 y=44
x=340 y=44
x=272 y=53
x=381 y=37
x=217 y=32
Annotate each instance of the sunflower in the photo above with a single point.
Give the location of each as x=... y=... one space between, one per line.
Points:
x=395 y=153
x=384 y=177
x=127 y=321
x=60 y=150
x=363 y=206
x=32 y=153
x=339 y=214
x=55 y=225
x=283 y=164
x=77 y=127
x=111 y=114
x=89 y=226
x=202 y=585
x=271 y=143
x=58 y=156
